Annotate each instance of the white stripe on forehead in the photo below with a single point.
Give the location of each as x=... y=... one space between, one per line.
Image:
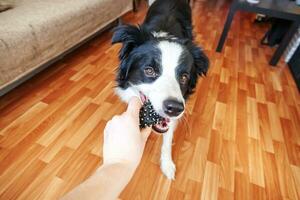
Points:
x=167 y=81
x=170 y=55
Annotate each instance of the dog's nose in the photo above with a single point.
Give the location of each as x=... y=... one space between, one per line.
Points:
x=173 y=107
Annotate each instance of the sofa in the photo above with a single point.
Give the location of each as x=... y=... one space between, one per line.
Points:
x=33 y=33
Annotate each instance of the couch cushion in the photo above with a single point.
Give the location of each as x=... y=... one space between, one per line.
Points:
x=35 y=31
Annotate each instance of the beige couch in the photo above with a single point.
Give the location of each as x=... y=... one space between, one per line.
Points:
x=35 y=32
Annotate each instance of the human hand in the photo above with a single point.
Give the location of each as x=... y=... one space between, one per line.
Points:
x=124 y=142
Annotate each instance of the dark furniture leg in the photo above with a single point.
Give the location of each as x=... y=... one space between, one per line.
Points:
x=283 y=44
x=294 y=64
x=119 y=21
x=135 y=5
x=226 y=27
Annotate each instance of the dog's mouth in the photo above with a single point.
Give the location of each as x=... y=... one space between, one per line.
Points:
x=161 y=124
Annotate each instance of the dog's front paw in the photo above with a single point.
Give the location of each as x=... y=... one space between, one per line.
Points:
x=168 y=168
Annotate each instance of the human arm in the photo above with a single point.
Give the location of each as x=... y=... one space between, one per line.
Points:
x=123 y=147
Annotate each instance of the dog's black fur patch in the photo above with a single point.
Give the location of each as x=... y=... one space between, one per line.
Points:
x=171 y=16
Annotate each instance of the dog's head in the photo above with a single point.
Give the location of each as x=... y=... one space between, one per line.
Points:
x=163 y=68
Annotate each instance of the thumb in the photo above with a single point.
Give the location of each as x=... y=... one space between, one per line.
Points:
x=134 y=106
x=146 y=132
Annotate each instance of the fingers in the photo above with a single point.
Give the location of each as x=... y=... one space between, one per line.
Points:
x=134 y=106
x=146 y=132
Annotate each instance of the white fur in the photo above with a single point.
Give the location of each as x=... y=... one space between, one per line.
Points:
x=162 y=34
x=159 y=34
x=167 y=165
x=164 y=87
x=150 y=2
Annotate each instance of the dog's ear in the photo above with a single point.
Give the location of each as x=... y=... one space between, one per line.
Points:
x=201 y=62
x=130 y=36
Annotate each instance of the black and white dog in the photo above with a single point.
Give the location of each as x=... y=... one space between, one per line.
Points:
x=160 y=62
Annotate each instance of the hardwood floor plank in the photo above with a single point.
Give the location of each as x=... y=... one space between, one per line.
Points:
x=162 y=189
x=198 y=163
x=20 y=122
x=256 y=171
x=252 y=116
x=60 y=126
x=54 y=147
x=215 y=147
x=52 y=190
x=175 y=194
x=14 y=170
x=241 y=189
x=210 y=182
x=276 y=129
x=219 y=117
x=257 y=192
x=183 y=165
x=21 y=183
x=227 y=163
x=87 y=127
x=229 y=130
x=286 y=180
x=242 y=134
x=265 y=130
x=20 y=128
x=224 y=194
x=193 y=190
x=271 y=176
x=296 y=175
x=37 y=187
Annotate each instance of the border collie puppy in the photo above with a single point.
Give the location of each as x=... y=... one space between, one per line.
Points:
x=160 y=62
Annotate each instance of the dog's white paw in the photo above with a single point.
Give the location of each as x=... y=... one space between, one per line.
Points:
x=168 y=168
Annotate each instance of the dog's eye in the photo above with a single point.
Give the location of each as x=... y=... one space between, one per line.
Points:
x=149 y=71
x=184 y=78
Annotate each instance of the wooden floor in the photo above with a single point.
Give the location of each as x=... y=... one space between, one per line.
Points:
x=240 y=140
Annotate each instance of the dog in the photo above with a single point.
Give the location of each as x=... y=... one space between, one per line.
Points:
x=160 y=61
